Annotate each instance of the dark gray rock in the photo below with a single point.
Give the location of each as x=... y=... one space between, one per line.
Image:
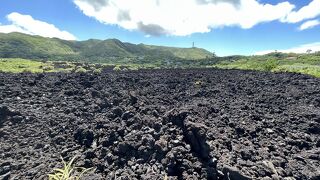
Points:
x=231 y=173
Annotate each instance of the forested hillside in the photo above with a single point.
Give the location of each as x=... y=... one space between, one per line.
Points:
x=18 y=45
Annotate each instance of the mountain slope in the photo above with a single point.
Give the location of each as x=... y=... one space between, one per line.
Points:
x=184 y=53
x=26 y=46
x=18 y=45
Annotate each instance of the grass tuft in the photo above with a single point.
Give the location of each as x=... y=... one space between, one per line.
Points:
x=68 y=171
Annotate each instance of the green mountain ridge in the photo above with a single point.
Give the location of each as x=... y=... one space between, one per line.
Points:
x=22 y=45
x=18 y=45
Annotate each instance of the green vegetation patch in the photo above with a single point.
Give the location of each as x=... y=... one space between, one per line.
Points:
x=18 y=45
x=313 y=70
x=23 y=65
x=250 y=64
x=277 y=62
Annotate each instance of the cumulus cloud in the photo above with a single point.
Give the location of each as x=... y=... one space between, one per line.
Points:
x=183 y=17
x=309 y=24
x=309 y=11
x=97 y=4
x=151 y=29
x=314 y=47
x=26 y=24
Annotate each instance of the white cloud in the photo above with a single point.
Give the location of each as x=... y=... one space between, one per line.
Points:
x=300 y=49
x=309 y=24
x=182 y=17
x=26 y=24
x=309 y=11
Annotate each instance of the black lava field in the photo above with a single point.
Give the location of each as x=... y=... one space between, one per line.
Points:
x=161 y=124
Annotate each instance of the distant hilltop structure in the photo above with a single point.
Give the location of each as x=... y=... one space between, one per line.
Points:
x=193 y=45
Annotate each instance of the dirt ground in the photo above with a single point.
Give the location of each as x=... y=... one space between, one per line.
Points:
x=153 y=124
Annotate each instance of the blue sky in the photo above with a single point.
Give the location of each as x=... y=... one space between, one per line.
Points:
x=211 y=24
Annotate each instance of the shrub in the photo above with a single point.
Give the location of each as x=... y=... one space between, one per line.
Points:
x=26 y=71
x=117 y=68
x=97 y=71
x=278 y=55
x=133 y=68
x=81 y=70
x=47 y=68
x=198 y=83
x=270 y=64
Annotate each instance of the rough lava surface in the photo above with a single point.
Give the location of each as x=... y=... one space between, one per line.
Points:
x=153 y=124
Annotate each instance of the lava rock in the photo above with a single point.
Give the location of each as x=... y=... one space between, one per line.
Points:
x=5 y=169
x=5 y=176
x=84 y=136
x=127 y=115
x=177 y=117
x=231 y=173
x=196 y=136
x=117 y=111
x=16 y=119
